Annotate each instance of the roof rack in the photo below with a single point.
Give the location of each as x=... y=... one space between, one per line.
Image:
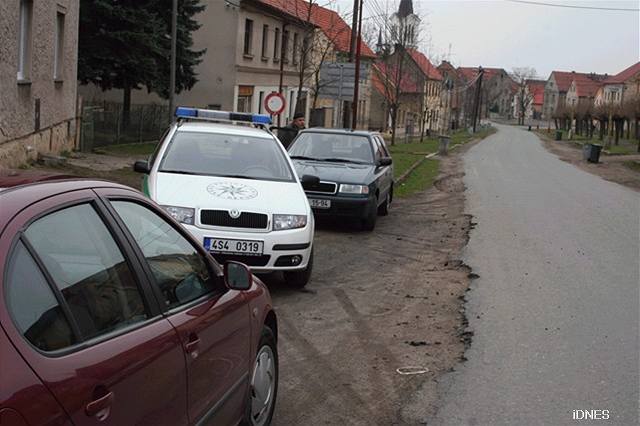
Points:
x=187 y=113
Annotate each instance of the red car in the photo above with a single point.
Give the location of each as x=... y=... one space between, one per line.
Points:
x=111 y=313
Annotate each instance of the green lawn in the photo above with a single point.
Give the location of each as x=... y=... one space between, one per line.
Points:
x=633 y=165
x=143 y=149
x=420 y=179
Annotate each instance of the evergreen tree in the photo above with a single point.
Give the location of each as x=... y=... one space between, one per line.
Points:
x=186 y=58
x=126 y=44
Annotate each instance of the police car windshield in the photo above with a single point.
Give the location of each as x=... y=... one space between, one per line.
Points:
x=212 y=154
x=332 y=147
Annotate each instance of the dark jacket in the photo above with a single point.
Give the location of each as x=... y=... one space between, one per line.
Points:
x=288 y=134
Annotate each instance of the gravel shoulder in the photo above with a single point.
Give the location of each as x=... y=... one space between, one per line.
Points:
x=611 y=167
x=377 y=302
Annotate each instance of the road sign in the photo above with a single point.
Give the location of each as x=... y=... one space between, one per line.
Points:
x=337 y=79
x=274 y=103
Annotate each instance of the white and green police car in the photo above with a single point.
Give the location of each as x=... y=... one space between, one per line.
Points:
x=233 y=186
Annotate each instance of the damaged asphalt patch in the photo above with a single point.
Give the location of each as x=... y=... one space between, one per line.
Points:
x=378 y=304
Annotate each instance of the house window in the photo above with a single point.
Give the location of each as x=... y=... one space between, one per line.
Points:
x=58 y=52
x=245 y=96
x=285 y=46
x=260 y=102
x=24 y=40
x=265 y=40
x=276 y=45
x=248 y=35
x=295 y=49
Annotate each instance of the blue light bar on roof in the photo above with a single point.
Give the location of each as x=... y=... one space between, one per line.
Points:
x=214 y=115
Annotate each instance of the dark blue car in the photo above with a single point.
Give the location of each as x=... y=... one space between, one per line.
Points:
x=354 y=171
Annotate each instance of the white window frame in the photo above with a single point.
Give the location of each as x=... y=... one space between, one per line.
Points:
x=58 y=48
x=24 y=39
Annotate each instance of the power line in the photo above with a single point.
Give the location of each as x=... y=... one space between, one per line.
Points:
x=574 y=7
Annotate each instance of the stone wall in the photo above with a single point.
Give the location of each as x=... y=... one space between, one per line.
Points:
x=52 y=140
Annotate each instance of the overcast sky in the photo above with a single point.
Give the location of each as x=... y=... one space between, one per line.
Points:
x=507 y=34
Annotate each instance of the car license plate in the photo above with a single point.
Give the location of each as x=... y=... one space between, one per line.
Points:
x=246 y=247
x=319 y=204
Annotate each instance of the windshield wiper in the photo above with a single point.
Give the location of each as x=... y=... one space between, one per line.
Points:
x=302 y=157
x=180 y=172
x=237 y=176
x=342 y=160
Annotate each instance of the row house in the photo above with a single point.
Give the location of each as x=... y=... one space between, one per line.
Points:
x=534 y=99
x=496 y=95
x=38 y=72
x=418 y=98
x=457 y=86
x=620 y=87
x=332 y=43
x=253 y=48
x=557 y=87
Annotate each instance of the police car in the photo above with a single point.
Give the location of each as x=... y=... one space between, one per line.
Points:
x=234 y=187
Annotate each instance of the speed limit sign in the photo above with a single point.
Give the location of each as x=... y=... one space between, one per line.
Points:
x=274 y=103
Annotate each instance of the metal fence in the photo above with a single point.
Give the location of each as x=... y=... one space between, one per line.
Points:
x=104 y=124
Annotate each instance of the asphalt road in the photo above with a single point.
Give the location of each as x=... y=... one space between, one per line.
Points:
x=556 y=308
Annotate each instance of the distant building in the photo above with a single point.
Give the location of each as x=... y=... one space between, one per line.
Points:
x=617 y=88
x=458 y=91
x=38 y=71
x=332 y=43
x=557 y=87
x=497 y=92
x=534 y=93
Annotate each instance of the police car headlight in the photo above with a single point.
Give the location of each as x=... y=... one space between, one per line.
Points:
x=354 y=189
x=181 y=214
x=288 y=221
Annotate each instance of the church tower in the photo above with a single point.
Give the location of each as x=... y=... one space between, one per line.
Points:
x=405 y=25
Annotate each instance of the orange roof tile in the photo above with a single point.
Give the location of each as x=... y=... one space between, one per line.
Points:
x=625 y=75
x=425 y=65
x=331 y=24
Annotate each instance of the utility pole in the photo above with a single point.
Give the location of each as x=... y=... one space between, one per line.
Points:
x=352 y=55
x=282 y=53
x=476 y=105
x=174 y=42
x=356 y=87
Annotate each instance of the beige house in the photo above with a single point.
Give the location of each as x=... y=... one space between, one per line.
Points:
x=620 y=87
x=38 y=69
x=251 y=46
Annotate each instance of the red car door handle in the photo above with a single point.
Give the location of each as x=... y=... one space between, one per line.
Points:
x=100 y=406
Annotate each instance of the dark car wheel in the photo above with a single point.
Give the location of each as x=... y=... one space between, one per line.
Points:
x=384 y=208
x=369 y=222
x=264 y=382
x=300 y=278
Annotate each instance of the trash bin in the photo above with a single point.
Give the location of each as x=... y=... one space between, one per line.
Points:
x=444 y=144
x=529 y=128
x=558 y=135
x=586 y=151
x=594 y=155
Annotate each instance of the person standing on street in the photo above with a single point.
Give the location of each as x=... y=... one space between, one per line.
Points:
x=289 y=133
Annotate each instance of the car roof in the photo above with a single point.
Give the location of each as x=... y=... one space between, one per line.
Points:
x=339 y=131
x=11 y=178
x=21 y=196
x=220 y=128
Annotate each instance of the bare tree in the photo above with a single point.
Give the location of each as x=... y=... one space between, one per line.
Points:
x=398 y=36
x=524 y=96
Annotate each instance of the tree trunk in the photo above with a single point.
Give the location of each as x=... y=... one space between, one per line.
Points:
x=126 y=107
x=393 y=126
x=601 y=129
x=628 y=129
